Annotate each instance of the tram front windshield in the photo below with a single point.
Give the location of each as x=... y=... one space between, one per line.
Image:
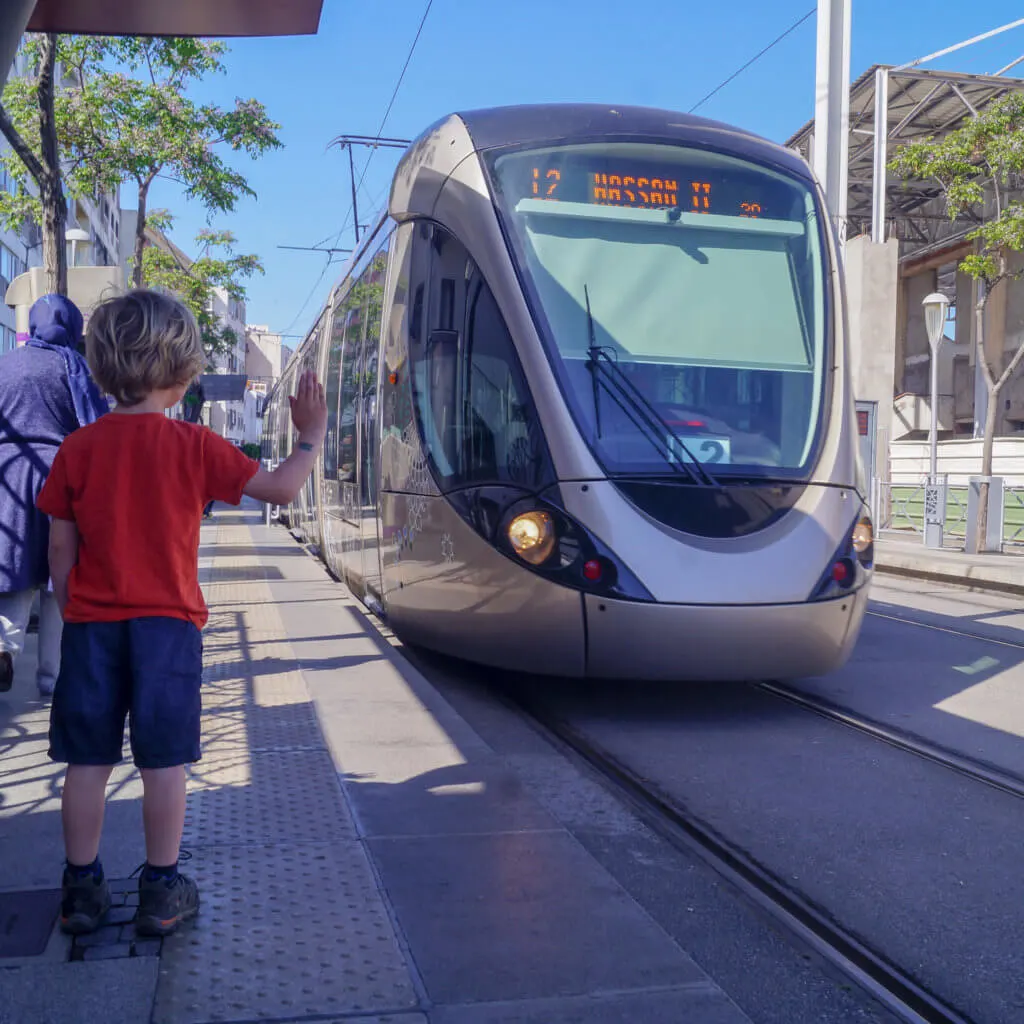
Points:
x=705 y=282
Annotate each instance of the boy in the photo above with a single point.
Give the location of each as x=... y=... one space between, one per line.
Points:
x=126 y=495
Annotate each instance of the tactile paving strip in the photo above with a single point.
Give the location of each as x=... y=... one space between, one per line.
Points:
x=283 y=932
x=287 y=796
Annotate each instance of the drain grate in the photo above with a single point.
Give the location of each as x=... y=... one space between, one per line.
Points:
x=27 y=920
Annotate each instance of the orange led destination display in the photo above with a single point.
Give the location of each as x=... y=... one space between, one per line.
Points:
x=639 y=189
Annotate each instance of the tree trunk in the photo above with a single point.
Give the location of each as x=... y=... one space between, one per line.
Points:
x=51 y=188
x=138 y=275
x=991 y=419
x=994 y=386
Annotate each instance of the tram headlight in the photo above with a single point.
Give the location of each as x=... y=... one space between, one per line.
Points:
x=532 y=536
x=863 y=540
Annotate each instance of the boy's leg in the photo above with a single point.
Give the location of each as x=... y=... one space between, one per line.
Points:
x=163 y=813
x=87 y=730
x=51 y=627
x=81 y=811
x=15 y=609
x=167 y=669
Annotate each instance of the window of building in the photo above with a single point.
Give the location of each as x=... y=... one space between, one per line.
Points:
x=474 y=410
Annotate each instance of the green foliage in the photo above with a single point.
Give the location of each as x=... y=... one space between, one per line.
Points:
x=123 y=115
x=252 y=450
x=979 y=168
x=218 y=266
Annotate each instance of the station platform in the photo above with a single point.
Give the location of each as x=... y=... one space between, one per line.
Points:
x=362 y=853
x=1002 y=572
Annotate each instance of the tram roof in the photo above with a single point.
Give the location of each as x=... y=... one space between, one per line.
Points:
x=539 y=123
x=922 y=103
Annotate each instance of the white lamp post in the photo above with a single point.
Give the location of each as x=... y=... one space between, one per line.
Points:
x=936 y=306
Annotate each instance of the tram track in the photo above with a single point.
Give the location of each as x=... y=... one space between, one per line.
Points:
x=894 y=989
x=971 y=768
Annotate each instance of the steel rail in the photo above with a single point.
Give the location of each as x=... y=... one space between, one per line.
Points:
x=970 y=767
x=886 y=983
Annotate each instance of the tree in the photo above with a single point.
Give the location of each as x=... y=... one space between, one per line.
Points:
x=28 y=120
x=122 y=116
x=195 y=281
x=979 y=168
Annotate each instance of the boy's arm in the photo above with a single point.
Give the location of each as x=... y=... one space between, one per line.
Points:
x=63 y=556
x=309 y=414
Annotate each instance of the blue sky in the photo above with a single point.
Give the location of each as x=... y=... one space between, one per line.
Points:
x=475 y=53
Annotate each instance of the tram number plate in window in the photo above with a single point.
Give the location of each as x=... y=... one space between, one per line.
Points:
x=708 y=450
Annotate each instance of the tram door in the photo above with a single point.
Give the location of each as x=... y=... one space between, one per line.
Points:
x=866 y=435
x=371 y=284
x=348 y=447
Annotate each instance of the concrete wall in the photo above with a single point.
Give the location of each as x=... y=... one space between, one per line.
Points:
x=872 y=280
x=960 y=458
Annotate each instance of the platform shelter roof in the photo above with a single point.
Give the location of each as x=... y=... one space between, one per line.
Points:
x=177 y=17
x=922 y=103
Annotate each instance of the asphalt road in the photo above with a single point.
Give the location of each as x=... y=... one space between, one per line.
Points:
x=922 y=863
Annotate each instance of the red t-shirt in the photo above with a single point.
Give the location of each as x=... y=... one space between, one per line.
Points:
x=135 y=486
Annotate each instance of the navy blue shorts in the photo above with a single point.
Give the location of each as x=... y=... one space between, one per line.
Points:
x=149 y=670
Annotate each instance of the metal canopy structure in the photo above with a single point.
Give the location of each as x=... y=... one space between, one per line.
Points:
x=177 y=17
x=153 y=18
x=913 y=103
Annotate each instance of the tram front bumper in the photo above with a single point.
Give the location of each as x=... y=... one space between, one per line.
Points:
x=719 y=643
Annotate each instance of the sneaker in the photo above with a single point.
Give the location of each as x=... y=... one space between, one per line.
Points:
x=6 y=671
x=164 y=905
x=83 y=903
x=45 y=687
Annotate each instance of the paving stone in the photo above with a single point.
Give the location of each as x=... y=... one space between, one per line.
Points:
x=106 y=936
x=284 y=931
x=111 y=952
x=146 y=947
x=521 y=916
x=697 y=1004
x=121 y=915
x=101 y=992
x=285 y=795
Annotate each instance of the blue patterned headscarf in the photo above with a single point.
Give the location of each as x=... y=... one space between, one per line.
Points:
x=55 y=323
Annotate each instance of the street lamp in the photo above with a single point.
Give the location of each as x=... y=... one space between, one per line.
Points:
x=936 y=306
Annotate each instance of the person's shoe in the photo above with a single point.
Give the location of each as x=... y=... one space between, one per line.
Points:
x=6 y=671
x=45 y=687
x=83 y=903
x=164 y=905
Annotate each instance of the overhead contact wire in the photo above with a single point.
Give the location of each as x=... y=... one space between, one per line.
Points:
x=753 y=60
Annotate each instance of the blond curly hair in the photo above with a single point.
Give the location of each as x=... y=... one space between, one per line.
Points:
x=141 y=342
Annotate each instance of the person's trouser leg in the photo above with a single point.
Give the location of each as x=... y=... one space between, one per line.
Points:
x=15 y=610
x=51 y=626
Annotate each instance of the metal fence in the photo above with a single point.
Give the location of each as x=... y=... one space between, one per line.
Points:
x=899 y=511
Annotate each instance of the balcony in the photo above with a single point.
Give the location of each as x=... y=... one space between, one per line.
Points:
x=912 y=415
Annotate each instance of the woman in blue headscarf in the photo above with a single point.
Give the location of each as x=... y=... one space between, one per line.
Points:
x=46 y=392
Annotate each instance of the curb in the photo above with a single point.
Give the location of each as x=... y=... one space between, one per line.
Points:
x=967 y=580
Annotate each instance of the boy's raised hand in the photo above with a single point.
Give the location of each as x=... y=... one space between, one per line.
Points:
x=309 y=408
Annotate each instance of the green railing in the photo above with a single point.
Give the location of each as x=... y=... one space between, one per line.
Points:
x=902 y=511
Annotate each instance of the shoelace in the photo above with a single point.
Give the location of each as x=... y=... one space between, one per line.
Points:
x=183 y=855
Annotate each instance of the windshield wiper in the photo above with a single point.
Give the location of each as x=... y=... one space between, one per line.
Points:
x=631 y=401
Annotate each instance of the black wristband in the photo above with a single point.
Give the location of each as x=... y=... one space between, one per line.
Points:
x=305 y=446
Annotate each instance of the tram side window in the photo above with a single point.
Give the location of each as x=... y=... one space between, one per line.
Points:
x=475 y=411
x=349 y=402
x=372 y=282
x=284 y=419
x=332 y=392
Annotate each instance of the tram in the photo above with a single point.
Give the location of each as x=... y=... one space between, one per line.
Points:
x=590 y=403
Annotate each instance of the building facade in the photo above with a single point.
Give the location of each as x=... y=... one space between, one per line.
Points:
x=228 y=418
